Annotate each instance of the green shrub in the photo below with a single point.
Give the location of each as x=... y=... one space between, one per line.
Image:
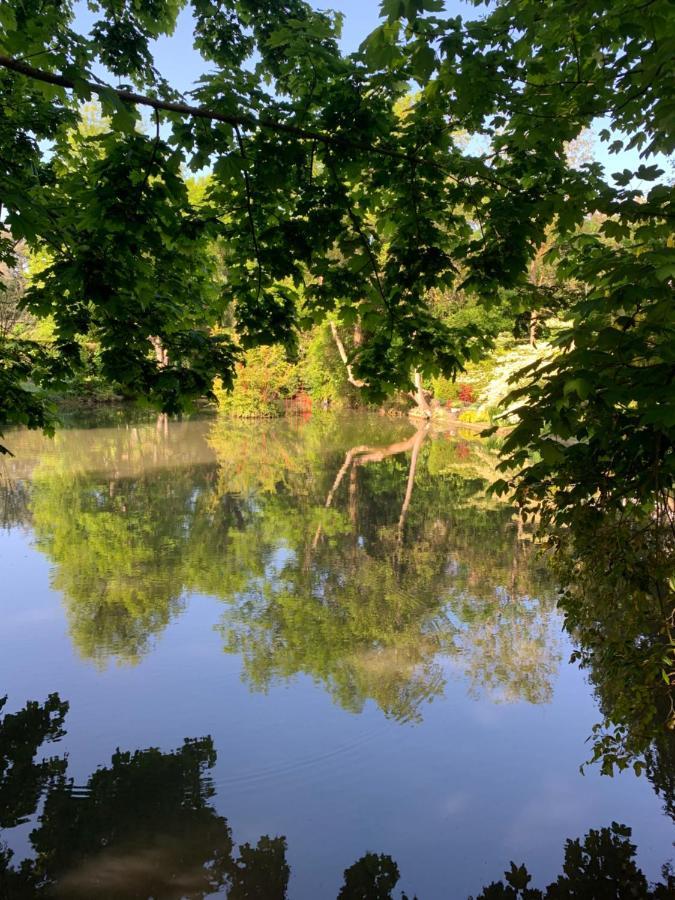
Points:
x=475 y=415
x=445 y=390
x=264 y=380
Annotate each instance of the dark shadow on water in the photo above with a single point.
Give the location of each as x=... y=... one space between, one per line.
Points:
x=141 y=826
x=144 y=827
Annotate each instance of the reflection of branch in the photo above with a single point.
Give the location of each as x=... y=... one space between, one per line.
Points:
x=345 y=359
x=362 y=454
x=377 y=454
x=341 y=474
x=336 y=484
x=419 y=438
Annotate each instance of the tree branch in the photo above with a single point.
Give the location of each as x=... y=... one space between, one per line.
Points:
x=200 y=112
x=345 y=359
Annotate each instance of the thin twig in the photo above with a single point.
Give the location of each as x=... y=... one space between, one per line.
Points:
x=153 y=156
x=249 y=209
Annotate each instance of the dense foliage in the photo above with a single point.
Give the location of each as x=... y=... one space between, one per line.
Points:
x=320 y=186
x=265 y=379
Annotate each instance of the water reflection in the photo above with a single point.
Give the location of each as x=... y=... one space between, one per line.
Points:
x=144 y=826
x=357 y=551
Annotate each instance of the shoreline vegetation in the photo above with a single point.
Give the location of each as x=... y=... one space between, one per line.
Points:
x=317 y=369
x=269 y=386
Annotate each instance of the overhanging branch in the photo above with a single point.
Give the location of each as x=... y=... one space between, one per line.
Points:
x=243 y=120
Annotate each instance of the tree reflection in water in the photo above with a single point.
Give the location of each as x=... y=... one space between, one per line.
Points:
x=347 y=549
x=408 y=563
x=145 y=827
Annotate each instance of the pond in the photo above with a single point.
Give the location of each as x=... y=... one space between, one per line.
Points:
x=278 y=646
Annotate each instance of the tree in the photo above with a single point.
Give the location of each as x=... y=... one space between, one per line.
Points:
x=303 y=184
x=388 y=219
x=13 y=285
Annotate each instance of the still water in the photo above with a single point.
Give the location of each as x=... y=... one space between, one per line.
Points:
x=284 y=645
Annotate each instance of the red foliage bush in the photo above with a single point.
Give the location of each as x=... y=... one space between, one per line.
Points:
x=299 y=403
x=466 y=393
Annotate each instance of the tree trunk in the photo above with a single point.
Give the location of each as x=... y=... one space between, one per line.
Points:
x=345 y=359
x=419 y=395
x=161 y=354
x=534 y=321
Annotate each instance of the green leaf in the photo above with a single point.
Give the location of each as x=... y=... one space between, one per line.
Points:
x=423 y=63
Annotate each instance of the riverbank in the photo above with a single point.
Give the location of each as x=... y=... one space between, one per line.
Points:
x=269 y=387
